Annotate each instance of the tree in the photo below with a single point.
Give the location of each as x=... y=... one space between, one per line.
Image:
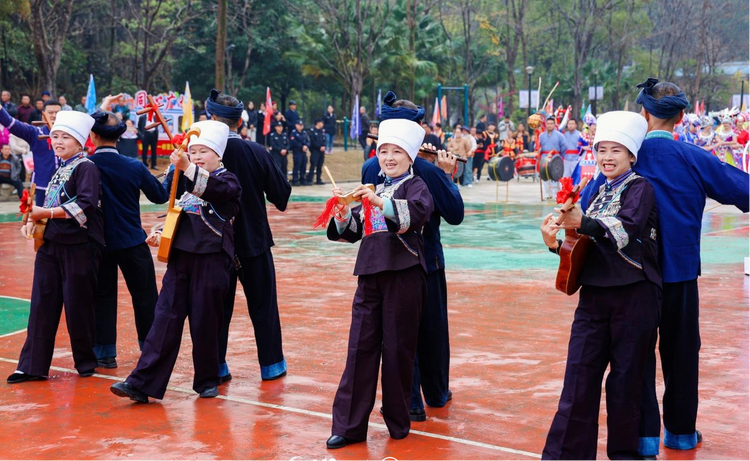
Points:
x=221 y=42
x=343 y=37
x=50 y=25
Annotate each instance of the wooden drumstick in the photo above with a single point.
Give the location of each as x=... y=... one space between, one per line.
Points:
x=328 y=173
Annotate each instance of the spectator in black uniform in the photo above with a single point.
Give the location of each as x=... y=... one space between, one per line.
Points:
x=481 y=128
x=317 y=152
x=299 y=142
x=279 y=143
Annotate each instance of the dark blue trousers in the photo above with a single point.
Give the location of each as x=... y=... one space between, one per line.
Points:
x=194 y=286
x=258 y=278
x=300 y=166
x=613 y=326
x=679 y=345
x=432 y=364
x=64 y=276
x=137 y=268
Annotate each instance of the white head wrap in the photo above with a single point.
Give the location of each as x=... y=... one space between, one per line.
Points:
x=76 y=124
x=622 y=127
x=214 y=135
x=404 y=133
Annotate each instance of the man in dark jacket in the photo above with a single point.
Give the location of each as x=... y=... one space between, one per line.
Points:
x=291 y=116
x=261 y=180
x=149 y=140
x=364 y=123
x=299 y=143
x=122 y=178
x=7 y=104
x=317 y=152
x=329 y=127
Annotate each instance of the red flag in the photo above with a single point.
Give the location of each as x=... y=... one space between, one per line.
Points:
x=269 y=113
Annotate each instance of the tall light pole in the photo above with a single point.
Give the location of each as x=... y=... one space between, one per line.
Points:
x=593 y=106
x=529 y=71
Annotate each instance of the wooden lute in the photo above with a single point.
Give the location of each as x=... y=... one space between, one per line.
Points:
x=574 y=250
x=174 y=212
x=38 y=234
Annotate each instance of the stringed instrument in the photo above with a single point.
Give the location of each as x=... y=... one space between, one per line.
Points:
x=174 y=212
x=39 y=226
x=574 y=250
x=45 y=121
x=424 y=150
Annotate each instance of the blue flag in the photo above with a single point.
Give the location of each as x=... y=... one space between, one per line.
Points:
x=378 y=110
x=91 y=96
x=356 y=128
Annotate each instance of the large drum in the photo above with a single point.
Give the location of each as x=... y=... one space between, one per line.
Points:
x=501 y=168
x=526 y=165
x=551 y=167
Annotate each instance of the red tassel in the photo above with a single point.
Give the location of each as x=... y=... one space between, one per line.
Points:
x=566 y=191
x=325 y=216
x=367 y=210
x=49 y=143
x=24 y=207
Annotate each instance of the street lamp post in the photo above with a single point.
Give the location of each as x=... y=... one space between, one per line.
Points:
x=593 y=105
x=529 y=71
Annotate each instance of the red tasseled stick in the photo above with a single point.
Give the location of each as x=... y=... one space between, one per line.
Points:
x=24 y=207
x=566 y=191
x=367 y=210
x=325 y=216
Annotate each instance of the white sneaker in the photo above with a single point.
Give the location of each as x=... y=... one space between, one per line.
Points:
x=471 y=185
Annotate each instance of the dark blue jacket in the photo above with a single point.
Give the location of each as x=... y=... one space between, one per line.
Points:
x=45 y=162
x=123 y=178
x=298 y=139
x=682 y=175
x=447 y=200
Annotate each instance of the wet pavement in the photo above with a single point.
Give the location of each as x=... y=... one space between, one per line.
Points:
x=509 y=332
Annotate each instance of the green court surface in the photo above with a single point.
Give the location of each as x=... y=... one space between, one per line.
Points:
x=14 y=314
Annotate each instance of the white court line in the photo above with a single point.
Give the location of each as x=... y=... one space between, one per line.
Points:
x=13 y=297
x=13 y=333
x=313 y=413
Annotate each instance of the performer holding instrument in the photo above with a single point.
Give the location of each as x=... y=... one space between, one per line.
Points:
x=67 y=262
x=197 y=276
x=432 y=362
x=618 y=309
x=390 y=290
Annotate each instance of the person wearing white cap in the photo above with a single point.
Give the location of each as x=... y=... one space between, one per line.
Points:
x=197 y=276
x=618 y=309
x=67 y=263
x=391 y=287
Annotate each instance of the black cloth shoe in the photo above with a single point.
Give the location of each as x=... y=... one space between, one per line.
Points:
x=450 y=395
x=17 y=378
x=320 y=183
x=226 y=378
x=417 y=415
x=699 y=436
x=109 y=362
x=307 y=183
x=210 y=393
x=127 y=390
x=295 y=183
x=336 y=441
x=87 y=373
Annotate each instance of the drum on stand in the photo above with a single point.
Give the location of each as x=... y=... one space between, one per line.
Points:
x=551 y=168
x=460 y=166
x=501 y=168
